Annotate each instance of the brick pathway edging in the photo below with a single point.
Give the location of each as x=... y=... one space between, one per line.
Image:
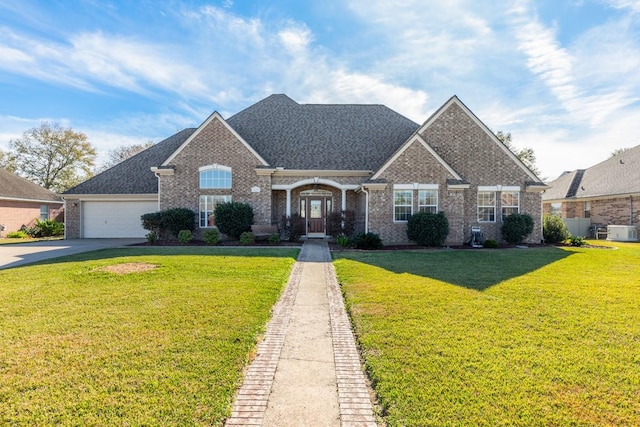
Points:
x=252 y=398
x=353 y=393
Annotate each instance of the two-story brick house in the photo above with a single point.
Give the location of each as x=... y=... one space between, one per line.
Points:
x=286 y=158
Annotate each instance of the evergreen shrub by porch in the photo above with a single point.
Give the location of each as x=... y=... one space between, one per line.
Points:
x=368 y=241
x=490 y=244
x=152 y=221
x=233 y=218
x=428 y=229
x=293 y=227
x=274 y=239
x=516 y=228
x=341 y=222
x=554 y=229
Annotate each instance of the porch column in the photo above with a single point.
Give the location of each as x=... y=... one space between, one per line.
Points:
x=288 y=202
x=344 y=199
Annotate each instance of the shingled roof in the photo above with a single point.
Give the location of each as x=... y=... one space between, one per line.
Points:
x=133 y=175
x=13 y=187
x=618 y=175
x=322 y=137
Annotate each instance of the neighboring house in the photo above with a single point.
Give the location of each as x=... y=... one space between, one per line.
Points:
x=605 y=194
x=22 y=202
x=286 y=158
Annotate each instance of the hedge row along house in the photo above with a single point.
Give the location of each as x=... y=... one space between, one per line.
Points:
x=285 y=158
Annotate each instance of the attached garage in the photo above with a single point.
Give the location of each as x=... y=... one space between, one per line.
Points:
x=115 y=219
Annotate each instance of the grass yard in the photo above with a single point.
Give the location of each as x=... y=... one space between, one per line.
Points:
x=516 y=337
x=159 y=338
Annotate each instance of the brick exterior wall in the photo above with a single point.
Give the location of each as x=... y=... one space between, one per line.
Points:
x=606 y=211
x=15 y=214
x=216 y=144
x=72 y=218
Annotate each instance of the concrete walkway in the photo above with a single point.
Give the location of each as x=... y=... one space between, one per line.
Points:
x=307 y=370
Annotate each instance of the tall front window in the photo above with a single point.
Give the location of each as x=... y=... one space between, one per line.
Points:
x=428 y=201
x=215 y=176
x=402 y=205
x=510 y=202
x=556 y=209
x=207 y=208
x=587 y=210
x=486 y=206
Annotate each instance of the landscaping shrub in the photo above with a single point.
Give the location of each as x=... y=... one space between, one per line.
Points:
x=428 y=229
x=293 y=227
x=274 y=239
x=185 y=236
x=178 y=219
x=576 y=241
x=343 y=241
x=554 y=229
x=368 y=241
x=49 y=228
x=152 y=221
x=247 y=238
x=211 y=237
x=17 y=235
x=342 y=222
x=516 y=228
x=152 y=237
x=490 y=244
x=233 y=218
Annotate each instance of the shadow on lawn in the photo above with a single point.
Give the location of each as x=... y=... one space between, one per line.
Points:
x=471 y=269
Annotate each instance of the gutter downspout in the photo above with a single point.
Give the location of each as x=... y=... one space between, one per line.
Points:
x=366 y=210
x=630 y=210
x=158 y=176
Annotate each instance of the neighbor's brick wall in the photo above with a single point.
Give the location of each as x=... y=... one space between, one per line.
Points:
x=615 y=211
x=15 y=214
x=215 y=144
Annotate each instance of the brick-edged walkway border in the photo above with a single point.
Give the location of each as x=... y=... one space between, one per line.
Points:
x=354 y=398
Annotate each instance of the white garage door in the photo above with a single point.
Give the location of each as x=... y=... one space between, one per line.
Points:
x=115 y=219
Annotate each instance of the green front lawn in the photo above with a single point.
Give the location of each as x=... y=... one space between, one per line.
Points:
x=166 y=346
x=529 y=337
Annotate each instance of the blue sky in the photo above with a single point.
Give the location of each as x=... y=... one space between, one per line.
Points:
x=563 y=76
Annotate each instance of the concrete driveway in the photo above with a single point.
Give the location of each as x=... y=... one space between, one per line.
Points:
x=26 y=253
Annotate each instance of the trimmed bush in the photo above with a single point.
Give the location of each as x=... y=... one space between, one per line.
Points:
x=293 y=227
x=152 y=221
x=274 y=239
x=185 y=236
x=368 y=241
x=233 y=218
x=211 y=237
x=554 y=229
x=247 y=238
x=178 y=219
x=343 y=222
x=428 y=229
x=516 y=228
x=49 y=228
x=490 y=244
x=577 y=241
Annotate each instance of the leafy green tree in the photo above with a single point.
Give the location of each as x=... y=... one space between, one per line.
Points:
x=53 y=157
x=526 y=155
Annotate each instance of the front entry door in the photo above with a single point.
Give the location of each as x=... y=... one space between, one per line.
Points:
x=315 y=216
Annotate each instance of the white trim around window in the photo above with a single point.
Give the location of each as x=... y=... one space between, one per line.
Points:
x=428 y=201
x=509 y=203
x=402 y=205
x=486 y=205
x=207 y=207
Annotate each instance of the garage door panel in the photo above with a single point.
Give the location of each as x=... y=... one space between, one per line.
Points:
x=115 y=219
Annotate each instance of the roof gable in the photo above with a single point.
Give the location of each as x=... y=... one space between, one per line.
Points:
x=14 y=187
x=217 y=117
x=453 y=102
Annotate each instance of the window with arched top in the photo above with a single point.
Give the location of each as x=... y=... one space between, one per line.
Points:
x=215 y=176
